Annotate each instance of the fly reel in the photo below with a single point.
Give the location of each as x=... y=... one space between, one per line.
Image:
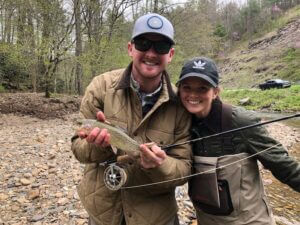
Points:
x=114 y=177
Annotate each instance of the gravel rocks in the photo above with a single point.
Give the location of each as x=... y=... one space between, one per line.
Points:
x=39 y=174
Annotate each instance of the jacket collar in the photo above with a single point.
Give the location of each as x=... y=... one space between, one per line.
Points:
x=125 y=82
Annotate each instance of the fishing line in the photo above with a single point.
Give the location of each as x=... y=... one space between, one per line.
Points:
x=196 y=174
x=214 y=135
x=231 y=131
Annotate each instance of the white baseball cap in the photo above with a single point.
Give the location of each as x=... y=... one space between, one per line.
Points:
x=153 y=23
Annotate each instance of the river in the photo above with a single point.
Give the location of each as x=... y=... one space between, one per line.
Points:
x=293 y=122
x=284 y=201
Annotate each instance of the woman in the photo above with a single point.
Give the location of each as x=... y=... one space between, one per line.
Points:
x=233 y=194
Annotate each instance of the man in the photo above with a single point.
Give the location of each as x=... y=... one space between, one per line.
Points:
x=140 y=100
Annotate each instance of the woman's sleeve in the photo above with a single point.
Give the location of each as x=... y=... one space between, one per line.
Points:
x=274 y=156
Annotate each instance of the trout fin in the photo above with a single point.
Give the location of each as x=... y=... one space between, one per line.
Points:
x=115 y=150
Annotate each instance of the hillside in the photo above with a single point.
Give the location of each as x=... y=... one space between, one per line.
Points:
x=274 y=55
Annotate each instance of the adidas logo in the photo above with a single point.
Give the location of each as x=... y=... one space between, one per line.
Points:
x=199 y=65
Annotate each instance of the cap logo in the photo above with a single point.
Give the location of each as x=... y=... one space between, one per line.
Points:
x=199 y=65
x=154 y=22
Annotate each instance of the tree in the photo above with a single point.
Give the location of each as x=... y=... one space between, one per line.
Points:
x=54 y=43
x=251 y=16
x=78 y=48
x=8 y=12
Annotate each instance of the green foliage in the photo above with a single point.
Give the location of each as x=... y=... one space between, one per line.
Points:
x=117 y=56
x=270 y=2
x=270 y=23
x=291 y=60
x=250 y=15
x=104 y=56
x=12 y=64
x=254 y=6
x=201 y=28
x=292 y=54
x=194 y=32
x=220 y=30
x=287 y=99
x=177 y=62
x=2 y=89
x=275 y=61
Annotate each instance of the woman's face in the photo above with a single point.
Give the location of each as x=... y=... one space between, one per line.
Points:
x=197 y=95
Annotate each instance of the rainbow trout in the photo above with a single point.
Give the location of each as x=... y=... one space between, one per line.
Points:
x=118 y=138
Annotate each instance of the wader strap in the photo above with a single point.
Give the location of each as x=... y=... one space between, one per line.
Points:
x=226 y=119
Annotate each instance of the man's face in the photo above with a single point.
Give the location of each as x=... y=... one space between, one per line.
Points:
x=149 y=64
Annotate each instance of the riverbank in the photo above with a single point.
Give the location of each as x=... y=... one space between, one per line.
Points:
x=39 y=174
x=271 y=100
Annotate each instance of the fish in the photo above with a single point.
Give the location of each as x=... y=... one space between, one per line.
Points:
x=118 y=138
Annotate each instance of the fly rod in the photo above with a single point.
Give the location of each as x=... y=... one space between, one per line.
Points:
x=231 y=131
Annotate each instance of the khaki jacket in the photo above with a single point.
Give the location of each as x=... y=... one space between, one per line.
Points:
x=166 y=123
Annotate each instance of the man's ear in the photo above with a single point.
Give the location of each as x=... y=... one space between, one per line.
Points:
x=171 y=54
x=130 y=48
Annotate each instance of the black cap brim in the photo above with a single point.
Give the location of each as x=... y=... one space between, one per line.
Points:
x=199 y=75
x=155 y=32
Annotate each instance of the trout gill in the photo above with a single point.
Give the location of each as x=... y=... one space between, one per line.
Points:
x=118 y=138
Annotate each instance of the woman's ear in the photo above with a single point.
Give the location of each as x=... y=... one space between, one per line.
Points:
x=216 y=92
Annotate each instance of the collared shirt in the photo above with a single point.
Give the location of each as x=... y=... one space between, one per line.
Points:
x=147 y=99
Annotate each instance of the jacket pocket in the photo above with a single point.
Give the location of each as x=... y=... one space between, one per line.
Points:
x=231 y=173
x=203 y=188
x=225 y=208
x=208 y=193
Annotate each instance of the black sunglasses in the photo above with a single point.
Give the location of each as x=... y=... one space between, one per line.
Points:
x=160 y=47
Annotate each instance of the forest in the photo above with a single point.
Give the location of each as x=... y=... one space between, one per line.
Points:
x=58 y=46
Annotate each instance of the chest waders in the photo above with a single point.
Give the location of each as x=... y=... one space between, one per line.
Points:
x=230 y=195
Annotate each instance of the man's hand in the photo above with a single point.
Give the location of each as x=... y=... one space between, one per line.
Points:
x=96 y=136
x=151 y=155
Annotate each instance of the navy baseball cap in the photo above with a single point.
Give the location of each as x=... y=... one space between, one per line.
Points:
x=153 y=23
x=201 y=67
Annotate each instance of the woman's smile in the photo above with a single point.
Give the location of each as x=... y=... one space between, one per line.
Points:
x=197 y=95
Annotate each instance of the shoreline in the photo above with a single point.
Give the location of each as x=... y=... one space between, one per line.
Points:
x=36 y=184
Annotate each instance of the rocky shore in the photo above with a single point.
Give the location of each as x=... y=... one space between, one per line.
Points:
x=38 y=173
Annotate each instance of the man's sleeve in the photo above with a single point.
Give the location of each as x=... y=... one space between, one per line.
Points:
x=91 y=103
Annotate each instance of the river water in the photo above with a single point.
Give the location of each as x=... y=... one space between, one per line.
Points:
x=284 y=201
x=293 y=122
